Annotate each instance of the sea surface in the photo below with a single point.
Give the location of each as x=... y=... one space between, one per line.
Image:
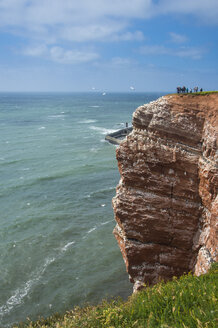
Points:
x=57 y=178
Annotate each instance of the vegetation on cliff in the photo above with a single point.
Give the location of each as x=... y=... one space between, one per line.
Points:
x=185 y=302
x=200 y=93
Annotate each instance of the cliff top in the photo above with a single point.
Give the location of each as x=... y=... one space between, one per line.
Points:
x=204 y=104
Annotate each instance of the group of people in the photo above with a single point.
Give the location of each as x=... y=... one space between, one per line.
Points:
x=187 y=90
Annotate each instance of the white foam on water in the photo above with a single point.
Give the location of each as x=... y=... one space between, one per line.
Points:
x=92 y=229
x=101 y=130
x=42 y=128
x=65 y=248
x=95 y=106
x=106 y=222
x=100 y=191
x=56 y=116
x=94 y=150
x=20 y=293
x=87 y=121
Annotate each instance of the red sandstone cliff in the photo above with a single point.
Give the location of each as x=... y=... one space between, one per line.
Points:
x=166 y=203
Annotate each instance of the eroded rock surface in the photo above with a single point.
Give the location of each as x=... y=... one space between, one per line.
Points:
x=166 y=202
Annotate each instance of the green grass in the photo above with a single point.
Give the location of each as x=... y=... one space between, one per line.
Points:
x=185 y=302
x=196 y=93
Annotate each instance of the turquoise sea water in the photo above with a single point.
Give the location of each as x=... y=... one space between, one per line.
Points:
x=58 y=177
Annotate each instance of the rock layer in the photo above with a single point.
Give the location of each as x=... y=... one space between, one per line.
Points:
x=166 y=202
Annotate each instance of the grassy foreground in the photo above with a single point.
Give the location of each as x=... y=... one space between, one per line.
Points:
x=185 y=302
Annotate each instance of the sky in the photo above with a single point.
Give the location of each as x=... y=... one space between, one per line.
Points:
x=108 y=45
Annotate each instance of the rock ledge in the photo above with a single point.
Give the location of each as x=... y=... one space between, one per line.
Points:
x=166 y=203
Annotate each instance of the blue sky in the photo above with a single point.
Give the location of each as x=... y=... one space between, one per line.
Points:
x=109 y=45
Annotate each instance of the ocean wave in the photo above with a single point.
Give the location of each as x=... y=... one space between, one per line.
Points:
x=24 y=184
x=96 y=227
x=91 y=230
x=106 y=222
x=20 y=293
x=120 y=124
x=11 y=161
x=101 y=130
x=65 y=248
x=102 y=192
x=56 y=175
x=94 y=106
x=87 y=121
x=94 y=150
x=56 y=116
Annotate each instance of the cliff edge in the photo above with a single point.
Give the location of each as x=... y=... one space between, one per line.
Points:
x=166 y=203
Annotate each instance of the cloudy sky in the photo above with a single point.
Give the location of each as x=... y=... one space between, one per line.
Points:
x=77 y=45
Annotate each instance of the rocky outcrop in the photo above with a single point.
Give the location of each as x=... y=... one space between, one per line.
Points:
x=166 y=202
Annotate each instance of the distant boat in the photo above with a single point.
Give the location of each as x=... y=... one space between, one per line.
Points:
x=104 y=93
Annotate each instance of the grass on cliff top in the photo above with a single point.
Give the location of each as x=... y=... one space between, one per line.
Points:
x=185 y=302
x=203 y=93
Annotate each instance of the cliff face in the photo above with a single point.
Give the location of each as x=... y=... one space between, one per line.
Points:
x=166 y=204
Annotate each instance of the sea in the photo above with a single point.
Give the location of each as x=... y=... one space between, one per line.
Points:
x=58 y=176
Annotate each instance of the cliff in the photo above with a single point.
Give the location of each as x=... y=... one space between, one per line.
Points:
x=166 y=202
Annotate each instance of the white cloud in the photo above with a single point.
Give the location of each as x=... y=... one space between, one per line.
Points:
x=154 y=50
x=91 y=32
x=191 y=52
x=56 y=22
x=35 y=51
x=60 y=54
x=105 y=32
x=53 y=16
x=27 y=13
x=178 y=38
x=50 y=12
x=205 y=10
x=118 y=61
x=71 y=20
x=63 y=56
x=129 y=36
